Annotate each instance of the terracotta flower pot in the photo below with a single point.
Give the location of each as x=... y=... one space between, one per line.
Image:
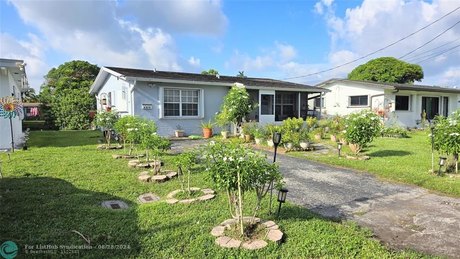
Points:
x=247 y=138
x=179 y=133
x=318 y=136
x=207 y=133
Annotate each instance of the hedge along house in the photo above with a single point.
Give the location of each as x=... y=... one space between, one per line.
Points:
x=184 y=100
x=13 y=82
x=403 y=104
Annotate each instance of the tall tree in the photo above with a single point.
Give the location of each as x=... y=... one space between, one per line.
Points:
x=66 y=91
x=211 y=72
x=389 y=70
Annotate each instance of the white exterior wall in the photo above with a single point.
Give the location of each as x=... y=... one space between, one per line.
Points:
x=145 y=93
x=120 y=95
x=7 y=87
x=337 y=100
x=411 y=117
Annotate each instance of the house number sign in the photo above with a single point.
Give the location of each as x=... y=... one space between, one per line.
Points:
x=147 y=106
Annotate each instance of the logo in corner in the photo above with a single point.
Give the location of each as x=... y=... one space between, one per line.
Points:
x=9 y=250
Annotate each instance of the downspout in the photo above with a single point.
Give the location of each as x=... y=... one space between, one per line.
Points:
x=131 y=96
x=377 y=95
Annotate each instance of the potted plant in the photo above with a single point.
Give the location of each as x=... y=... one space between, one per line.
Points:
x=179 y=132
x=318 y=133
x=259 y=135
x=304 y=139
x=288 y=139
x=248 y=131
x=207 y=129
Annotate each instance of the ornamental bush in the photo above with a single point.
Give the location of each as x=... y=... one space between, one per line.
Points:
x=361 y=128
x=106 y=121
x=238 y=170
x=447 y=135
x=237 y=105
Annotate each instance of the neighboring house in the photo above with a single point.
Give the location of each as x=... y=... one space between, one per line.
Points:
x=403 y=104
x=13 y=81
x=174 y=99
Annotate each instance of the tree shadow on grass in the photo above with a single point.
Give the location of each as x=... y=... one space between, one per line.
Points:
x=48 y=211
x=387 y=153
x=65 y=138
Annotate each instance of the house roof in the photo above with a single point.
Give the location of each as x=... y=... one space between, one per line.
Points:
x=181 y=77
x=18 y=72
x=392 y=86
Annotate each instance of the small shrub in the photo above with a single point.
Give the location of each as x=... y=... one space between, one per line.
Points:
x=394 y=132
x=361 y=128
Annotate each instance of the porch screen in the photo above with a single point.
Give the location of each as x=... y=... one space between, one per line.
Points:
x=266 y=104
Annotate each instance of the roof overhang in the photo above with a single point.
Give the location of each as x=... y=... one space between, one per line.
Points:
x=17 y=68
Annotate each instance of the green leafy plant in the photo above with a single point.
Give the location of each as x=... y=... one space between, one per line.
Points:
x=207 y=124
x=236 y=170
x=394 y=132
x=312 y=122
x=361 y=128
x=184 y=163
x=122 y=127
x=236 y=106
x=106 y=121
x=447 y=135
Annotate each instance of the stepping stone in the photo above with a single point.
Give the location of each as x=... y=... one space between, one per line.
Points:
x=148 y=198
x=228 y=242
x=172 y=201
x=269 y=224
x=127 y=157
x=207 y=197
x=171 y=174
x=187 y=201
x=159 y=178
x=228 y=222
x=143 y=165
x=144 y=172
x=116 y=156
x=275 y=235
x=221 y=241
x=144 y=178
x=115 y=204
x=248 y=219
x=173 y=193
x=274 y=227
x=218 y=231
x=194 y=189
x=208 y=191
x=253 y=245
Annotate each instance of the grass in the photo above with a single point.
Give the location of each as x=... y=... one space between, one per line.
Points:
x=54 y=190
x=405 y=160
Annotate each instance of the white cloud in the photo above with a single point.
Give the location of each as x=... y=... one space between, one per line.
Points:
x=31 y=51
x=286 y=52
x=194 y=62
x=374 y=24
x=125 y=33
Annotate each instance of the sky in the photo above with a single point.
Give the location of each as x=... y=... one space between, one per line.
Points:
x=286 y=40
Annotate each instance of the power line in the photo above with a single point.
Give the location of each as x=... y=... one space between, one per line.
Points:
x=428 y=42
x=439 y=54
x=417 y=56
x=372 y=53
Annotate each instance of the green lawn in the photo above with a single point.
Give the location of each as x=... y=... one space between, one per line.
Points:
x=57 y=186
x=406 y=160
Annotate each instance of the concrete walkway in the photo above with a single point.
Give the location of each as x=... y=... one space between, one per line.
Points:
x=400 y=216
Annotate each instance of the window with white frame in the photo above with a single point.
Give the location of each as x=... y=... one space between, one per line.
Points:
x=402 y=103
x=319 y=102
x=181 y=102
x=359 y=100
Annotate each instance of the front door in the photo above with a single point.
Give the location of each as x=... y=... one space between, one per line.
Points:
x=267 y=106
x=431 y=106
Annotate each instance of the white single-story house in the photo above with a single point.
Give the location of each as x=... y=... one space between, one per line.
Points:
x=13 y=82
x=403 y=104
x=184 y=100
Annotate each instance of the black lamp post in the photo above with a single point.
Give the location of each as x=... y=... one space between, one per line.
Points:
x=282 y=193
x=276 y=141
x=442 y=162
x=339 y=146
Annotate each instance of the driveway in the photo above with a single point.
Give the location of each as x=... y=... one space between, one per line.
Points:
x=401 y=216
